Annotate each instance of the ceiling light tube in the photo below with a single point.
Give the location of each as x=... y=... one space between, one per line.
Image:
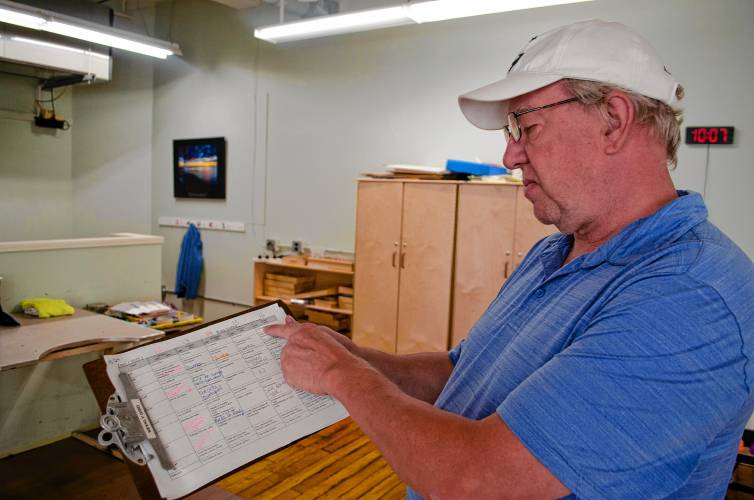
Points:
x=441 y=10
x=20 y=19
x=96 y=36
x=419 y=12
x=40 y=19
x=335 y=24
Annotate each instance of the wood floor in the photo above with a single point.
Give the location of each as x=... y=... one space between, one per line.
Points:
x=337 y=462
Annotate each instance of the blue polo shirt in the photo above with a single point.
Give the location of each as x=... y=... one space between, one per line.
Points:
x=626 y=372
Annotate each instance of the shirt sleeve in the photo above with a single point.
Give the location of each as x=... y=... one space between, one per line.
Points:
x=628 y=408
x=455 y=353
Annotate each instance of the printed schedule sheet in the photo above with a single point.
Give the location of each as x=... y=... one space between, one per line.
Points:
x=217 y=400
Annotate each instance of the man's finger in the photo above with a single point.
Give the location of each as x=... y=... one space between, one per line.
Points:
x=283 y=331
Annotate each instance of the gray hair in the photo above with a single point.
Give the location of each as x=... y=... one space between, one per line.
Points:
x=663 y=121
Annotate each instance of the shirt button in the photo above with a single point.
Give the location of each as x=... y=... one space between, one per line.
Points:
x=539 y=293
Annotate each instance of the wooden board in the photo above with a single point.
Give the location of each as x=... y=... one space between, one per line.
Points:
x=37 y=339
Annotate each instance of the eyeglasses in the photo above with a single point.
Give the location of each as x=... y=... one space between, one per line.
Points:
x=513 y=129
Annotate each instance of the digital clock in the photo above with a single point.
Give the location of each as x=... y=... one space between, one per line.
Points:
x=709 y=135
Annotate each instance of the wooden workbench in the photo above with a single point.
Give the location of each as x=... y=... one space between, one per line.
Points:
x=45 y=339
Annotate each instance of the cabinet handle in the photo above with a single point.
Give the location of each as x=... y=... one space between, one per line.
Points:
x=394 y=253
x=506 y=270
x=403 y=260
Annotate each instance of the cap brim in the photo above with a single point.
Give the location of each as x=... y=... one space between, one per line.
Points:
x=487 y=107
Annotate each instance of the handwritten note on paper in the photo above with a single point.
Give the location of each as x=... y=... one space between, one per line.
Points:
x=217 y=399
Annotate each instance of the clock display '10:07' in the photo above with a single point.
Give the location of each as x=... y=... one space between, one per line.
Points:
x=709 y=135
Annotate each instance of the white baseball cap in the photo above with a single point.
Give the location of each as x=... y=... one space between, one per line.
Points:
x=588 y=50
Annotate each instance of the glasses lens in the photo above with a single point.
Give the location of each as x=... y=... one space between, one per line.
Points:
x=513 y=129
x=506 y=134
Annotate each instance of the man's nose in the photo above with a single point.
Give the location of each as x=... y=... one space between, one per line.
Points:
x=515 y=155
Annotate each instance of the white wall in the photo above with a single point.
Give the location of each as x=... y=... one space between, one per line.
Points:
x=35 y=165
x=209 y=92
x=112 y=151
x=90 y=180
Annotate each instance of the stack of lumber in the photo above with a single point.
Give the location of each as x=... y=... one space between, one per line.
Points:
x=330 y=264
x=345 y=298
x=286 y=286
x=333 y=320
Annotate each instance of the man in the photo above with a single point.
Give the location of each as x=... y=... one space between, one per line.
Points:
x=616 y=361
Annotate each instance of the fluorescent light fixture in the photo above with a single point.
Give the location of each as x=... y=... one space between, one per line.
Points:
x=419 y=12
x=440 y=10
x=334 y=25
x=20 y=19
x=96 y=36
x=44 y=20
x=41 y=53
x=41 y=43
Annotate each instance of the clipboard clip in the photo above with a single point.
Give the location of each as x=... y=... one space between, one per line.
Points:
x=123 y=426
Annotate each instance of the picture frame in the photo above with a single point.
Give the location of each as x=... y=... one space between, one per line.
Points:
x=199 y=168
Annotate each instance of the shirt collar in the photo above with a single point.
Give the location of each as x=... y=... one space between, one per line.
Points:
x=640 y=237
x=652 y=232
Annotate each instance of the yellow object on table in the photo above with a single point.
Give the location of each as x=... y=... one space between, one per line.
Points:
x=46 y=308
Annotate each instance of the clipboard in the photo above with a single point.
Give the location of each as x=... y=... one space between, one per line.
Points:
x=132 y=429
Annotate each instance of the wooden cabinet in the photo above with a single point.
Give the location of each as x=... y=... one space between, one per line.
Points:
x=495 y=228
x=485 y=232
x=425 y=277
x=430 y=257
x=379 y=210
x=404 y=242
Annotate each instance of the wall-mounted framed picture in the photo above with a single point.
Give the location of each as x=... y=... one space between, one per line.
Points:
x=199 y=168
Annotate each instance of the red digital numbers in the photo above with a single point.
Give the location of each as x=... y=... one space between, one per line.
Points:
x=709 y=135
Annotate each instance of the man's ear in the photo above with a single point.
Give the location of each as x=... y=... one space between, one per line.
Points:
x=621 y=115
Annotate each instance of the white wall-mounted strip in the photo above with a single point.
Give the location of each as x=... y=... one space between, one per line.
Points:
x=214 y=225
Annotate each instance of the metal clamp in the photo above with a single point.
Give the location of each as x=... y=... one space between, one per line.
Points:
x=122 y=427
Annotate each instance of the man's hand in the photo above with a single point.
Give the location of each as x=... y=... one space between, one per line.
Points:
x=312 y=354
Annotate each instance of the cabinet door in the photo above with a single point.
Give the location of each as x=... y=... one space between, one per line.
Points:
x=484 y=251
x=429 y=211
x=378 y=231
x=528 y=229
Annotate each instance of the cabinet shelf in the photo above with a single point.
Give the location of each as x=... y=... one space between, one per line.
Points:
x=347 y=312
x=324 y=279
x=280 y=264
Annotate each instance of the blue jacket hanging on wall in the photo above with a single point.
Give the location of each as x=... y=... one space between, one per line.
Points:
x=190 y=263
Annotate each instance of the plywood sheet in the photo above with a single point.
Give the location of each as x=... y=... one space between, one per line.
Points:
x=37 y=338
